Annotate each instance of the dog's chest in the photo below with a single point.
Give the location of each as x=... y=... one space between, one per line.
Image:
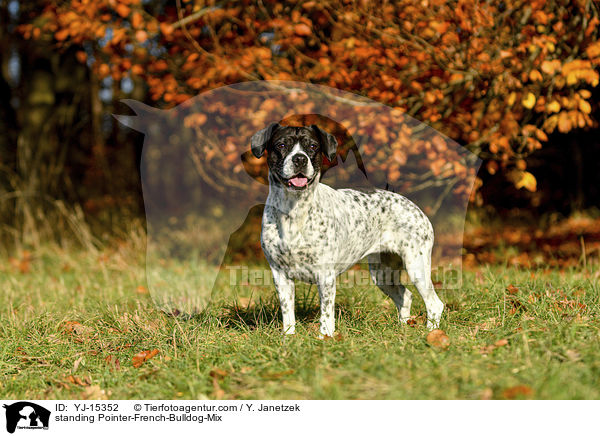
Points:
x=297 y=245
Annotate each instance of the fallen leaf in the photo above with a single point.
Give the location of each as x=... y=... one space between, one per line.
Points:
x=501 y=342
x=513 y=299
x=277 y=375
x=437 y=338
x=245 y=302
x=23 y=264
x=486 y=394
x=512 y=290
x=94 y=392
x=217 y=373
x=573 y=355
x=141 y=290
x=517 y=391
x=77 y=363
x=73 y=379
x=336 y=335
x=113 y=361
x=143 y=356
x=73 y=327
x=487 y=349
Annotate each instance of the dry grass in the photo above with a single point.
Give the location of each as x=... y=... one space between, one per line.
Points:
x=72 y=321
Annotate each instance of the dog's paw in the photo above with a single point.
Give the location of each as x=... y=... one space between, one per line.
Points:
x=288 y=331
x=433 y=324
x=336 y=335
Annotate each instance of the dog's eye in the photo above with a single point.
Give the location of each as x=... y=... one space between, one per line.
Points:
x=313 y=146
x=280 y=145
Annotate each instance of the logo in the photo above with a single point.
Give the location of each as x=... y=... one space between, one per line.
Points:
x=26 y=415
x=208 y=179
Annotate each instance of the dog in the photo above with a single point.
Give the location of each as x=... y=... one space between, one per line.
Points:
x=312 y=232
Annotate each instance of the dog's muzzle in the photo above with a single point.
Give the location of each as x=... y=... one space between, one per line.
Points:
x=297 y=172
x=297 y=182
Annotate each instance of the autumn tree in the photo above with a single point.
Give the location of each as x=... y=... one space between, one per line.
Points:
x=498 y=77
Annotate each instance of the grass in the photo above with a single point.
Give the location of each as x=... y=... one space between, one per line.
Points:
x=68 y=317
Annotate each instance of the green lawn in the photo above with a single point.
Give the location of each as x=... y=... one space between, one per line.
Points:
x=71 y=315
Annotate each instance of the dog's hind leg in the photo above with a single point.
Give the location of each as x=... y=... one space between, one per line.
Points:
x=385 y=271
x=418 y=268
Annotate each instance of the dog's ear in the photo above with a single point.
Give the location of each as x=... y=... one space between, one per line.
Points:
x=260 y=139
x=328 y=142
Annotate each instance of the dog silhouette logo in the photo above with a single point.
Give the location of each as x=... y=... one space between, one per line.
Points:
x=26 y=415
x=200 y=179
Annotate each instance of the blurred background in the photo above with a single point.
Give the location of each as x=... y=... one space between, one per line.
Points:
x=515 y=82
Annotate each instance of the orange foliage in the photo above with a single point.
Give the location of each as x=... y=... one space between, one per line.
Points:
x=477 y=71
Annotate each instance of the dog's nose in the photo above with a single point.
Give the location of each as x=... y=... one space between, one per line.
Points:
x=299 y=160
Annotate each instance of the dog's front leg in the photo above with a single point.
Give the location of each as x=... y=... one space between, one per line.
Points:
x=326 y=285
x=285 y=290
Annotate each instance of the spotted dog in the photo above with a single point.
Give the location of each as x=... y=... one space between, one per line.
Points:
x=312 y=232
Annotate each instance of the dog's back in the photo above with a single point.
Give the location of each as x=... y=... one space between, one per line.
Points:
x=337 y=228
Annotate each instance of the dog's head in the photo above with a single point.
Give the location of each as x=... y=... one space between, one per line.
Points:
x=294 y=154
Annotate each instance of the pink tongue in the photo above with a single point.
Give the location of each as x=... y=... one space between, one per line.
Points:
x=299 y=182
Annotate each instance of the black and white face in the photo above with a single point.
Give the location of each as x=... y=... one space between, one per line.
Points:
x=294 y=154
